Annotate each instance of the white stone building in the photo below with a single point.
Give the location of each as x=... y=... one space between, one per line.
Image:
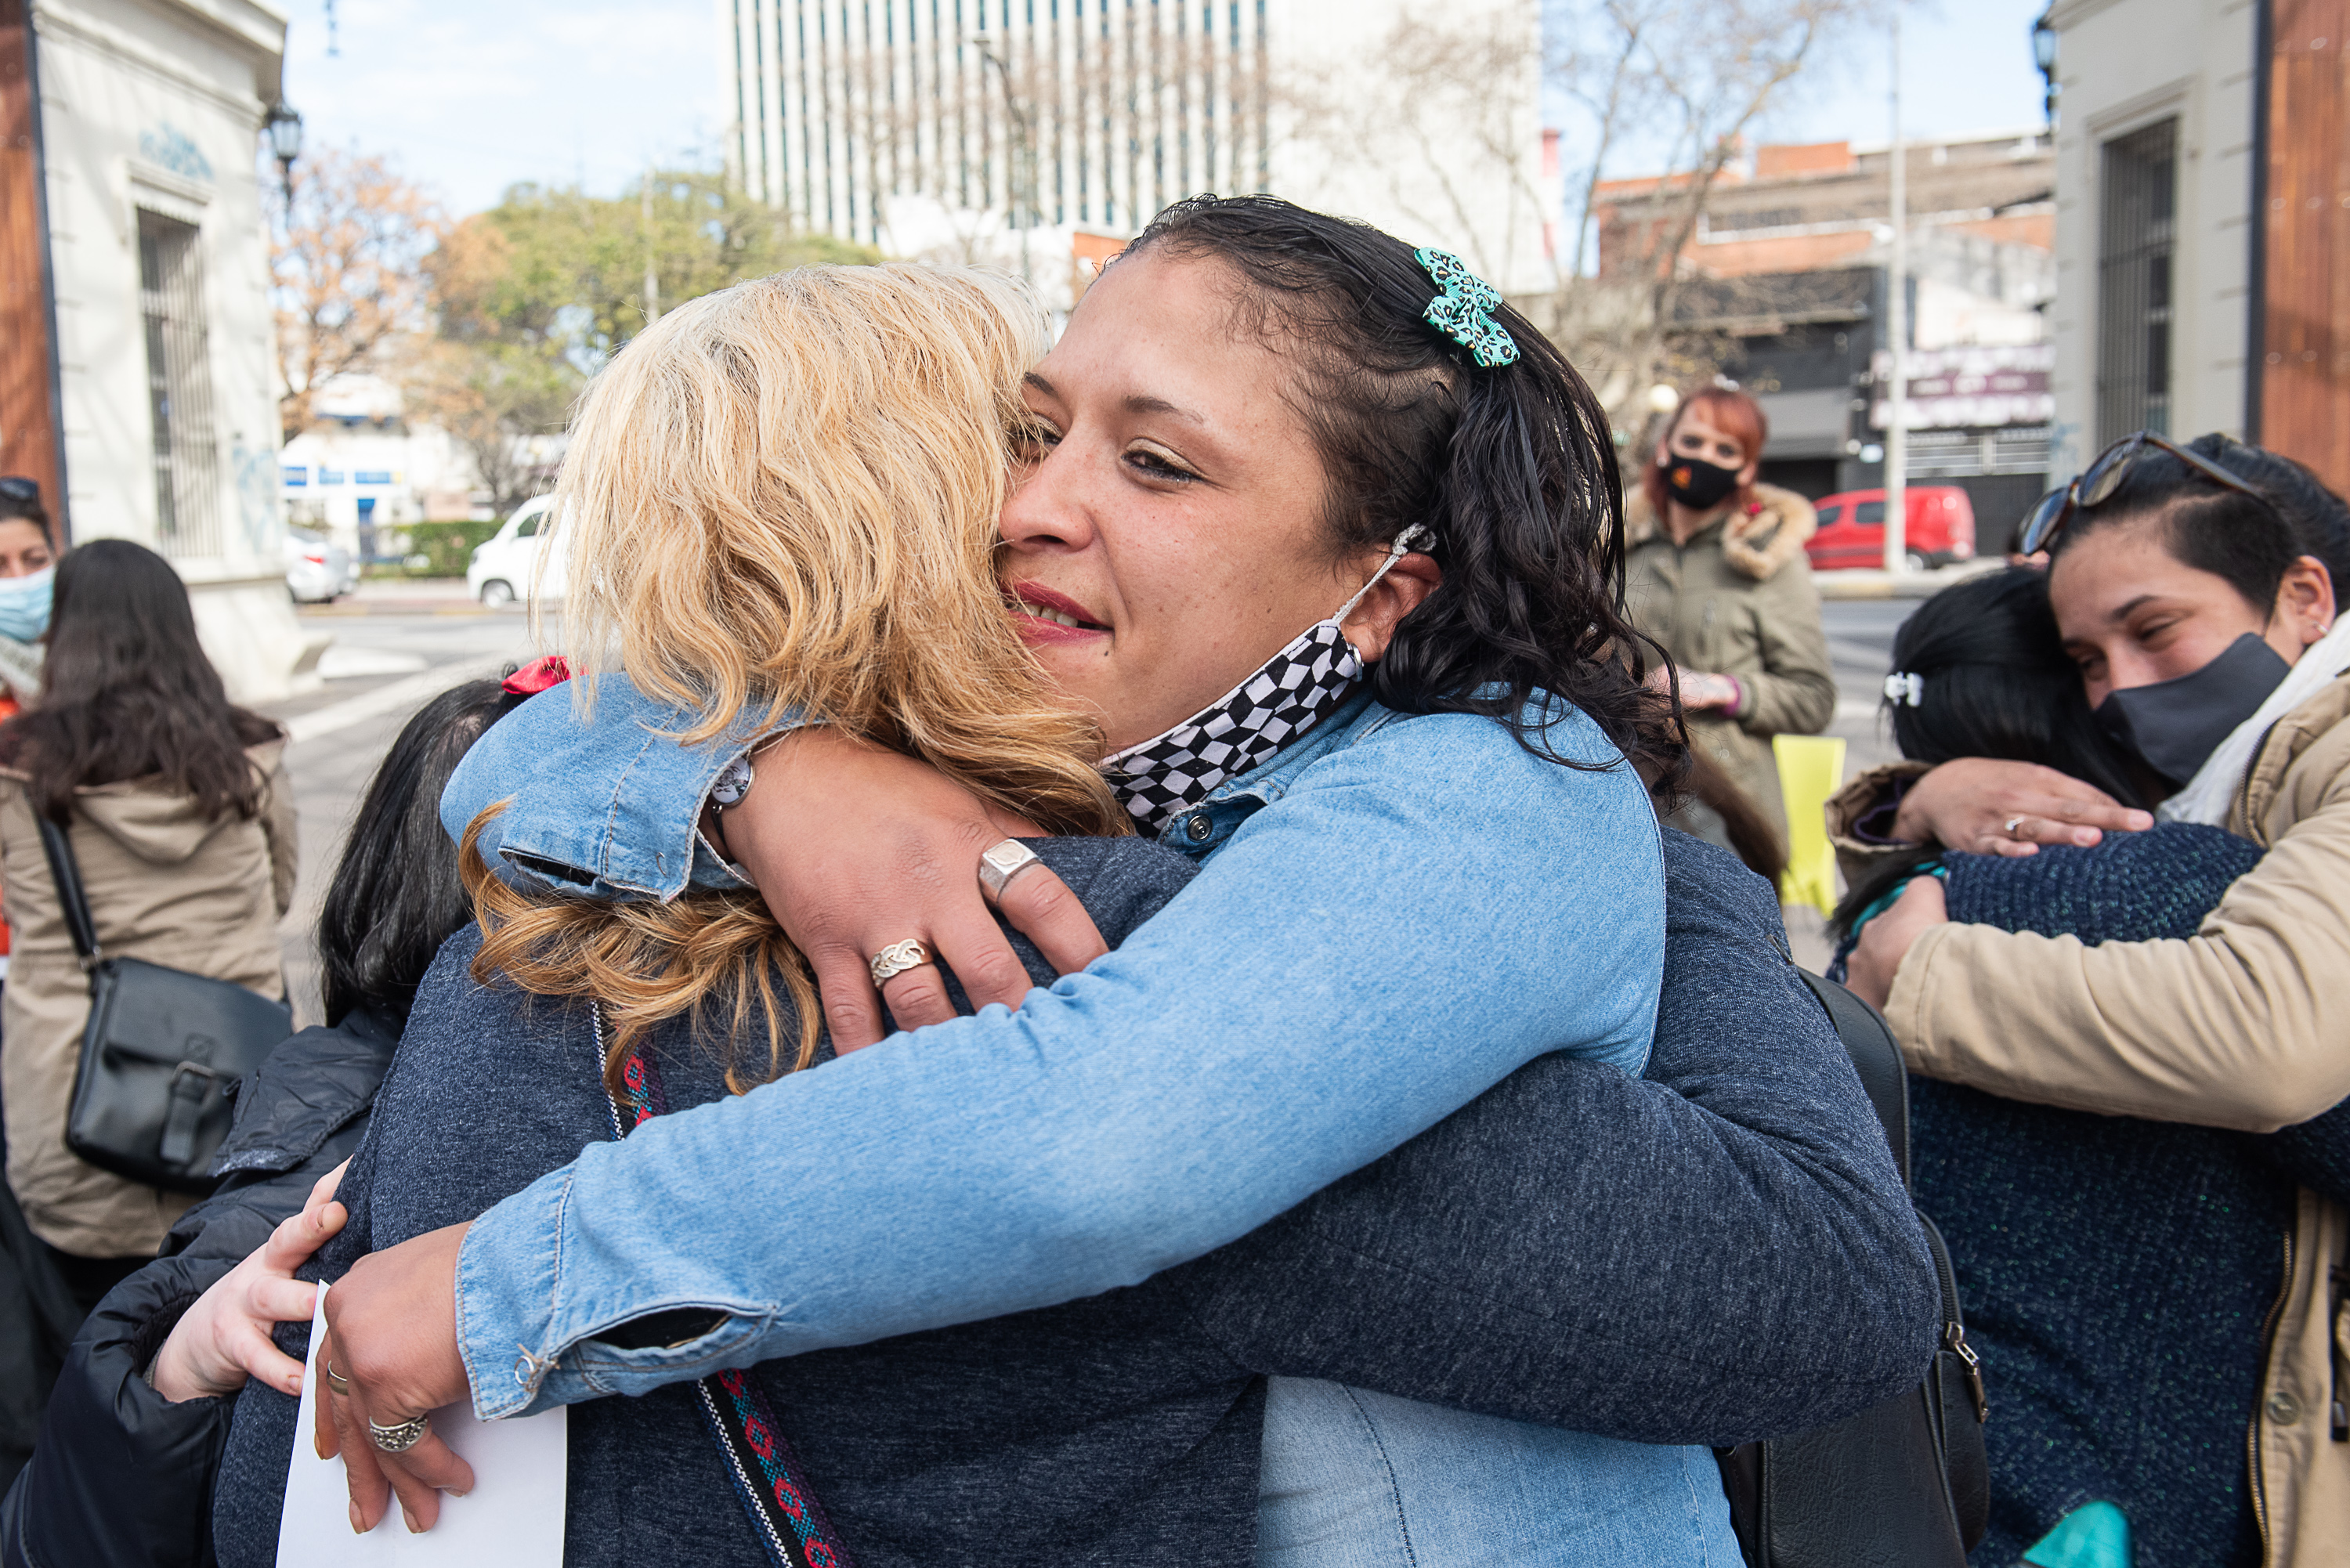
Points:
x=137 y=380
x=2153 y=182
x=914 y=126
x=363 y=470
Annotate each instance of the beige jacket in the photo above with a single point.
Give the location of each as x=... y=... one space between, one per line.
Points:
x=164 y=885
x=2246 y=1024
x=1737 y=600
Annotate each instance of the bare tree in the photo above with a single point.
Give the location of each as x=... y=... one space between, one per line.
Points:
x=347 y=272
x=1430 y=113
x=1682 y=82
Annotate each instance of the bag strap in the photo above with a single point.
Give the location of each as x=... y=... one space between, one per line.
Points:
x=1875 y=1057
x=66 y=870
x=768 y=1477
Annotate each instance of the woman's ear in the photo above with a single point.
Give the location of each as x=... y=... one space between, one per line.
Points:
x=2305 y=599
x=1392 y=597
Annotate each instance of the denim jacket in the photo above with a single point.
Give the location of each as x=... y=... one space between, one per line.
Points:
x=1393 y=915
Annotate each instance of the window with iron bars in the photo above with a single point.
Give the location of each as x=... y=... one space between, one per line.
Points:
x=179 y=386
x=2137 y=237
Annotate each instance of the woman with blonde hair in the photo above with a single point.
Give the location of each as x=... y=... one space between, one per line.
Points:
x=1133 y=1423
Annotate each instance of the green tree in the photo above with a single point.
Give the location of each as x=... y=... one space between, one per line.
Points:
x=557 y=268
x=532 y=295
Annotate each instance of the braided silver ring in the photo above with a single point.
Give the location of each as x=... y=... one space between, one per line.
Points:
x=1002 y=861
x=896 y=958
x=401 y=1435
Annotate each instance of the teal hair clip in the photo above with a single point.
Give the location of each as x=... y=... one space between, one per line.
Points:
x=1464 y=311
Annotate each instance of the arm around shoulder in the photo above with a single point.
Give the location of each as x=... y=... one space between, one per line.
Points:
x=2227 y=1028
x=1645 y=1258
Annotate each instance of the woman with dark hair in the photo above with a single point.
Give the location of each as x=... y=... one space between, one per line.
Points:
x=1422 y=864
x=2193 y=589
x=132 y=1441
x=28 y=554
x=1716 y=573
x=181 y=816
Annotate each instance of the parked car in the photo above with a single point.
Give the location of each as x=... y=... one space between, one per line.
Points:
x=1852 y=528
x=317 y=570
x=506 y=566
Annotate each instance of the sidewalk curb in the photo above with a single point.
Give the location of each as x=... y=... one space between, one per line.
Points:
x=1873 y=583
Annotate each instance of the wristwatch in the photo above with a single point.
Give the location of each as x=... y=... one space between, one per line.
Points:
x=734 y=782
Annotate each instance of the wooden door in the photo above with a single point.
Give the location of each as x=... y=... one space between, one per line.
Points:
x=2305 y=333
x=28 y=435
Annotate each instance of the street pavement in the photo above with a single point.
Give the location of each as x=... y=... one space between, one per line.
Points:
x=397 y=644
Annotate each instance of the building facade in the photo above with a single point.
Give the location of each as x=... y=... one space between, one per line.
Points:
x=363 y=471
x=914 y=125
x=135 y=323
x=2203 y=234
x=1787 y=280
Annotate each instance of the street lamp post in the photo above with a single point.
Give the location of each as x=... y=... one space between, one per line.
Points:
x=286 y=142
x=1896 y=328
x=2044 y=55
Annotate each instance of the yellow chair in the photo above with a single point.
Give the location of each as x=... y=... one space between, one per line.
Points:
x=1810 y=769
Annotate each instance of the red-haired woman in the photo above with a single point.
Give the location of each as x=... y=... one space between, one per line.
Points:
x=1716 y=572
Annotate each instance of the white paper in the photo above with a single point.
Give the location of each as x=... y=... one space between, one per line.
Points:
x=511 y=1519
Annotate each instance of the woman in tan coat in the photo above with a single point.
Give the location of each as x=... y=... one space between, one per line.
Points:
x=2198 y=594
x=181 y=816
x=1715 y=572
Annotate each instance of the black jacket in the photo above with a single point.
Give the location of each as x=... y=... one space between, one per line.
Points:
x=122 y=1476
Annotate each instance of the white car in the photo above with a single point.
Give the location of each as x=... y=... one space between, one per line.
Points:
x=507 y=566
x=317 y=570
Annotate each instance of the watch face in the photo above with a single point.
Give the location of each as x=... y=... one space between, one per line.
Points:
x=733 y=782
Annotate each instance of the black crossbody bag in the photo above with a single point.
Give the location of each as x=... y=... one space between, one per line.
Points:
x=161 y=1054
x=1905 y=1484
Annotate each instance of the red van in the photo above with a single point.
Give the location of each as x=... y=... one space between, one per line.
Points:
x=1852 y=528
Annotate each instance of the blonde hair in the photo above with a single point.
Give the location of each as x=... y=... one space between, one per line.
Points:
x=781 y=499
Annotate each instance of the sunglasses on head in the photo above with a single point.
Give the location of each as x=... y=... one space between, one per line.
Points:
x=2101 y=480
x=13 y=488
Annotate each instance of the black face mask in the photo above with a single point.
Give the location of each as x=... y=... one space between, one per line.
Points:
x=1697 y=483
x=2176 y=726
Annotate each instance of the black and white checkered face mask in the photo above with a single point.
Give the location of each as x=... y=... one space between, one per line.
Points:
x=1296 y=688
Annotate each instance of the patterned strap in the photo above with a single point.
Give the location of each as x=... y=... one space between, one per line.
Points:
x=768 y=1477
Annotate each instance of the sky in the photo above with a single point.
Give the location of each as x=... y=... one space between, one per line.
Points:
x=470 y=96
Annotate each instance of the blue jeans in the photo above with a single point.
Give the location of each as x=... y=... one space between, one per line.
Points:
x=1356 y=1480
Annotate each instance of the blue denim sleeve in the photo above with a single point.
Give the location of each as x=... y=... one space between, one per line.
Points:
x=1416 y=916
x=609 y=806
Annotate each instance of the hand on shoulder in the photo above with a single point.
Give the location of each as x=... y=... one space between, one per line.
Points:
x=225 y=1337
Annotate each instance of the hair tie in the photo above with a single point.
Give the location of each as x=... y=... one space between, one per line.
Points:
x=1902 y=690
x=1464 y=310
x=537 y=676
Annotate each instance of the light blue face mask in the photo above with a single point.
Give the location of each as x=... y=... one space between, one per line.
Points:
x=25 y=604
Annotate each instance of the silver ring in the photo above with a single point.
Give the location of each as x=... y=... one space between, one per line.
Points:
x=335 y=1380
x=401 y=1435
x=2012 y=824
x=1001 y=862
x=896 y=958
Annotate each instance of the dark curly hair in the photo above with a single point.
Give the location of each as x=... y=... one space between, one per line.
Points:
x=2224 y=532
x=1513 y=470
